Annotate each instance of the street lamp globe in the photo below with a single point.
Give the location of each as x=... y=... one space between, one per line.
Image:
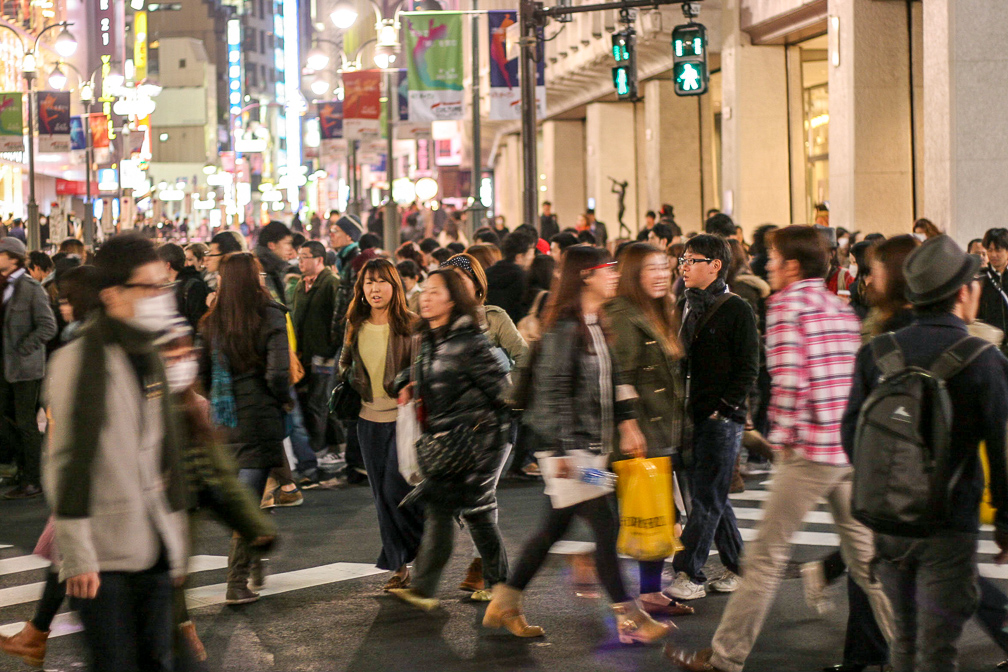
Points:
x=66 y=43
x=87 y=92
x=317 y=59
x=29 y=64
x=114 y=79
x=388 y=33
x=319 y=86
x=385 y=56
x=57 y=78
x=344 y=15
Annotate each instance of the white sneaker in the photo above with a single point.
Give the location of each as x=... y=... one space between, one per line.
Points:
x=813 y=576
x=683 y=588
x=728 y=583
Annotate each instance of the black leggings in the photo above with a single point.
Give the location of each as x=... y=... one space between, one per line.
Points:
x=599 y=514
x=51 y=601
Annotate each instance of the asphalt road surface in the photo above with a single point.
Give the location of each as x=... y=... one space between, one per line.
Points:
x=323 y=608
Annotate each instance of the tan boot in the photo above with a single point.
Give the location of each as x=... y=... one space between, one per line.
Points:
x=29 y=645
x=474 y=577
x=504 y=611
x=636 y=626
x=192 y=640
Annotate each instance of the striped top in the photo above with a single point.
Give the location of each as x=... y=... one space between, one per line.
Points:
x=812 y=340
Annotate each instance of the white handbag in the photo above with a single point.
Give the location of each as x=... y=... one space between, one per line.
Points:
x=407 y=435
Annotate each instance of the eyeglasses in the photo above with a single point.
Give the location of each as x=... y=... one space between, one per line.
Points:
x=214 y=255
x=307 y=257
x=687 y=261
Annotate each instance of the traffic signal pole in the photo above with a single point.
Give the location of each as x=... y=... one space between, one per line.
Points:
x=532 y=16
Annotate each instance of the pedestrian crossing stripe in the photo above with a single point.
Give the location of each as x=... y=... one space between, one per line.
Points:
x=207 y=596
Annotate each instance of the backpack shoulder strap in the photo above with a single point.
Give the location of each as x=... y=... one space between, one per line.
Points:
x=959 y=356
x=721 y=300
x=888 y=355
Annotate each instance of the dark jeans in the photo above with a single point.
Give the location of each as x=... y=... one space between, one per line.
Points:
x=313 y=396
x=19 y=407
x=932 y=586
x=600 y=514
x=240 y=556
x=864 y=643
x=52 y=599
x=401 y=527
x=650 y=575
x=439 y=539
x=711 y=520
x=353 y=457
x=128 y=626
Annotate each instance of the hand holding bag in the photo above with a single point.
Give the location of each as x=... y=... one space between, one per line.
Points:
x=408 y=433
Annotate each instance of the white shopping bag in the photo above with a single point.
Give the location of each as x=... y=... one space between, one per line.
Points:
x=407 y=435
x=564 y=492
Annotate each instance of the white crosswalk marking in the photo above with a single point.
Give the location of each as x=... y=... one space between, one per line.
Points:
x=22 y=563
x=204 y=596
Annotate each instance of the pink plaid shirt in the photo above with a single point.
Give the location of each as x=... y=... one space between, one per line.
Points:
x=812 y=340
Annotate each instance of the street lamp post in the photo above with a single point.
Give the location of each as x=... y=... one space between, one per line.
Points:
x=477 y=170
x=87 y=97
x=66 y=45
x=391 y=229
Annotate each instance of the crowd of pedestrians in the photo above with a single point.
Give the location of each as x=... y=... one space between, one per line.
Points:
x=144 y=381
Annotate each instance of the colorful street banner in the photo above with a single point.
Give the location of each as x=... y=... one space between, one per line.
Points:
x=11 y=123
x=434 y=62
x=505 y=91
x=330 y=116
x=99 y=130
x=362 y=104
x=77 y=138
x=406 y=128
x=53 y=121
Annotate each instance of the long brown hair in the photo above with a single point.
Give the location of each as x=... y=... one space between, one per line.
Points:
x=891 y=254
x=487 y=254
x=565 y=295
x=232 y=323
x=400 y=319
x=659 y=312
x=465 y=303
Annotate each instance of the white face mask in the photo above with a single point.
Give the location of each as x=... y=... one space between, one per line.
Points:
x=181 y=375
x=154 y=313
x=852 y=270
x=920 y=236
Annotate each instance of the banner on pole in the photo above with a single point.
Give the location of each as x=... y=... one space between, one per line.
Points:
x=361 y=104
x=330 y=115
x=99 y=130
x=434 y=63
x=11 y=123
x=53 y=121
x=406 y=128
x=505 y=91
x=77 y=138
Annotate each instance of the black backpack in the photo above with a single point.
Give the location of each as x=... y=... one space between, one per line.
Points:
x=903 y=476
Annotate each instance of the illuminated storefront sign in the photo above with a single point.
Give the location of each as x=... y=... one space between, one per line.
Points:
x=234 y=65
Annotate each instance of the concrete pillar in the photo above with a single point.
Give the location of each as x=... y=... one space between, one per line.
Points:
x=754 y=130
x=672 y=153
x=508 y=181
x=870 y=132
x=965 y=126
x=611 y=151
x=563 y=164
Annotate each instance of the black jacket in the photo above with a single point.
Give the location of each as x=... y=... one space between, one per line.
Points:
x=461 y=383
x=548 y=227
x=506 y=285
x=993 y=305
x=275 y=268
x=979 y=396
x=191 y=294
x=260 y=394
x=313 y=317
x=723 y=362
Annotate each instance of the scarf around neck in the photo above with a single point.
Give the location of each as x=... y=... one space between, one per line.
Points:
x=699 y=301
x=88 y=418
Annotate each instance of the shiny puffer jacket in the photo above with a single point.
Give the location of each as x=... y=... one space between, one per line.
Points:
x=460 y=382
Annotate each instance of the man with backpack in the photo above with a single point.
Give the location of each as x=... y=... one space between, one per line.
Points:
x=924 y=398
x=811 y=342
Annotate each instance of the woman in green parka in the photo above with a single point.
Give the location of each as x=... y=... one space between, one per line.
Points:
x=642 y=328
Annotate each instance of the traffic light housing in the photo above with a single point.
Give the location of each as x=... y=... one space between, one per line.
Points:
x=624 y=74
x=689 y=59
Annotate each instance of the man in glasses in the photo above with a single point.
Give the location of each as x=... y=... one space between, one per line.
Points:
x=114 y=475
x=722 y=348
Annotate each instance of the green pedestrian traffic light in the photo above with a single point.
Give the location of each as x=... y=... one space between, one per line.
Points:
x=689 y=59
x=625 y=73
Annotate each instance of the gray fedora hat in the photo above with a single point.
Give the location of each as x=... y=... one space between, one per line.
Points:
x=937 y=269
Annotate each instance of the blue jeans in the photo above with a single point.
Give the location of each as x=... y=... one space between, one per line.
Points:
x=307 y=462
x=711 y=520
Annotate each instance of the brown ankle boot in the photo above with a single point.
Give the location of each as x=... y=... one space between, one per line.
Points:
x=474 y=577
x=29 y=645
x=636 y=626
x=504 y=611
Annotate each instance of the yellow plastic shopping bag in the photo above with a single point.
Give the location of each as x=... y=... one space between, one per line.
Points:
x=987 y=511
x=647 y=519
